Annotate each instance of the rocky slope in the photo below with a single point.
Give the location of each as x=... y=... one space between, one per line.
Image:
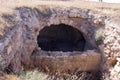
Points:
x=19 y=32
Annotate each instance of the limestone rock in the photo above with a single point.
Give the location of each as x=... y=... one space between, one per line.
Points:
x=18 y=44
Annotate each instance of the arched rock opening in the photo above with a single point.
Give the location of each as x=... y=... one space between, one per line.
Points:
x=61 y=37
x=64 y=46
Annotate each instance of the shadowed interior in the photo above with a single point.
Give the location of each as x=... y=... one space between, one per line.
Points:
x=61 y=37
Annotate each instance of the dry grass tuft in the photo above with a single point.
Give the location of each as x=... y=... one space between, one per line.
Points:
x=9 y=77
x=33 y=75
x=26 y=75
x=36 y=75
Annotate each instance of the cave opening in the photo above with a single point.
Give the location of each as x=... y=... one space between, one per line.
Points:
x=61 y=37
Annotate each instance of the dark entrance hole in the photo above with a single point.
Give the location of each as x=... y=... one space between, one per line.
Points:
x=61 y=37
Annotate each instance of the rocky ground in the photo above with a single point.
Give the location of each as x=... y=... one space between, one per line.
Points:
x=19 y=27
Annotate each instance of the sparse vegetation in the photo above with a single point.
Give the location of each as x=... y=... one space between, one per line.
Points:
x=102 y=8
x=99 y=35
x=25 y=75
x=36 y=75
x=9 y=77
x=33 y=75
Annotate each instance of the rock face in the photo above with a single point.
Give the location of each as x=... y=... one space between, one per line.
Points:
x=21 y=44
x=111 y=48
x=66 y=62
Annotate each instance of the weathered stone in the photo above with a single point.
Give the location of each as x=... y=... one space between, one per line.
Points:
x=18 y=44
x=67 y=61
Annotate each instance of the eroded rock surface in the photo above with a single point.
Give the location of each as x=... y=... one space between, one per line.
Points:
x=65 y=62
x=22 y=38
x=112 y=48
x=20 y=41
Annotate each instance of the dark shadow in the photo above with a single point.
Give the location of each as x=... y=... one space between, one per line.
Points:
x=61 y=37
